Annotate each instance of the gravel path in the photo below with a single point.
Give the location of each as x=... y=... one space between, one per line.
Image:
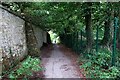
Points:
x=58 y=64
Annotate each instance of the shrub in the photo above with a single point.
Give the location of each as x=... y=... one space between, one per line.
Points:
x=26 y=68
x=98 y=65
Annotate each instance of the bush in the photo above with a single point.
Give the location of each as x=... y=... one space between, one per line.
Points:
x=99 y=65
x=26 y=68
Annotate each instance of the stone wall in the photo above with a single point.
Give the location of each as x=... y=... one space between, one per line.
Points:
x=40 y=36
x=35 y=38
x=18 y=39
x=12 y=38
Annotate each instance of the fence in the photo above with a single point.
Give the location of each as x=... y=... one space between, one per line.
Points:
x=74 y=41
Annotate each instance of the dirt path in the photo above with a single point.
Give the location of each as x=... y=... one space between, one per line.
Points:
x=58 y=63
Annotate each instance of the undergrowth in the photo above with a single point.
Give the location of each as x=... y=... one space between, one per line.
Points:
x=98 y=65
x=26 y=69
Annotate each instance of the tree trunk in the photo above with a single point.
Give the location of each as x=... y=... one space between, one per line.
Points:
x=108 y=28
x=118 y=33
x=88 y=21
x=48 y=39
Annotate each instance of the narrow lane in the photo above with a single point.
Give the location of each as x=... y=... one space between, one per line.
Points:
x=58 y=64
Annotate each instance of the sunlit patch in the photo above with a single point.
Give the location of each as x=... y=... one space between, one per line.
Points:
x=54 y=37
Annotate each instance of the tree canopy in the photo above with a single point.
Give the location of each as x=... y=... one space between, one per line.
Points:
x=58 y=16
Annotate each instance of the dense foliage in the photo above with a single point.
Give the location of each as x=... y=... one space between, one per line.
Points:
x=98 y=65
x=25 y=69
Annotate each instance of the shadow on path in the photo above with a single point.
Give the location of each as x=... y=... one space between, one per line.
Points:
x=60 y=62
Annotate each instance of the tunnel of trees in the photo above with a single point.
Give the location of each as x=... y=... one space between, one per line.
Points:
x=90 y=29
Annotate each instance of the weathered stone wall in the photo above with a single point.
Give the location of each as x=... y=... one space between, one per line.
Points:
x=12 y=38
x=35 y=38
x=40 y=36
x=18 y=39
